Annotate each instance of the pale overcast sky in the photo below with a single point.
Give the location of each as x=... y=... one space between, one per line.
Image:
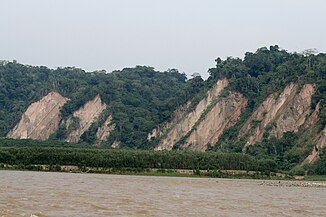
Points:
x=183 y=34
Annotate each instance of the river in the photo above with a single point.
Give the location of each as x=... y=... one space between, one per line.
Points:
x=23 y=193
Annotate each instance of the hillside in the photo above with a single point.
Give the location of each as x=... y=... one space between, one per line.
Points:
x=271 y=104
x=136 y=99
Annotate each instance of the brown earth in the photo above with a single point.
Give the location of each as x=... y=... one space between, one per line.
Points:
x=281 y=113
x=104 y=131
x=86 y=115
x=41 y=118
x=184 y=121
x=223 y=115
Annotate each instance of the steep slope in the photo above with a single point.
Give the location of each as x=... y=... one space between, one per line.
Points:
x=41 y=118
x=85 y=116
x=163 y=128
x=319 y=139
x=104 y=131
x=184 y=120
x=223 y=115
x=320 y=144
x=279 y=113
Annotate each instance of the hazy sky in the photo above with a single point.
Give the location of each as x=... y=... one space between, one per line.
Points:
x=183 y=34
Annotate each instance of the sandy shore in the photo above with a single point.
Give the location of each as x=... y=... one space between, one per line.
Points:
x=286 y=183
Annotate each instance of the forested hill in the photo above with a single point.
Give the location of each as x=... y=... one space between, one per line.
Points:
x=180 y=113
x=138 y=98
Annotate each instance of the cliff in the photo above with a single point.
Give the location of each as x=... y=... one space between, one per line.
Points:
x=84 y=117
x=184 y=120
x=279 y=113
x=288 y=110
x=41 y=118
x=223 y=115
x=103 y=132
x=320 y=143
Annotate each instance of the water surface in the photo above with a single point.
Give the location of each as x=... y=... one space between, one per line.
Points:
x=23 y=193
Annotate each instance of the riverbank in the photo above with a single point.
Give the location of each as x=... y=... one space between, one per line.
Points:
x=141 y=162
x=279 y=180
x=294 y=184
x=233 y=174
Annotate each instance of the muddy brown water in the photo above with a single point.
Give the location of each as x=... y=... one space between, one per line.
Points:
x=23 y=193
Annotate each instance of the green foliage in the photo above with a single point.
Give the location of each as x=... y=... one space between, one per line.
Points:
x=107 y=158
x=288 y=151
x=297 y=171
x=319 y=167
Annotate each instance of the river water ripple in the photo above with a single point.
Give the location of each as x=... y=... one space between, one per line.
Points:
x=23 y=193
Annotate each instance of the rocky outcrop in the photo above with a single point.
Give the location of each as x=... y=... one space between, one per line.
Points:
x=223 y=115
x=184 y=120
x=104 y=131
x=41 y=118
x=279 y=113
x=86 y=115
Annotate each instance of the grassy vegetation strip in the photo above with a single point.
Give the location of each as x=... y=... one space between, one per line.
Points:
x=107 y=158
x=234 y=174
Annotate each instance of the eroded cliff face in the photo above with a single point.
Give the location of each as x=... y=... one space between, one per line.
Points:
x=104 y=131
x=41 y=118
x=319 y=139
x=86 y=116
x=279 y=113
x=116 y=144
x=184 y=121
x=178 y=114
x=320 y=144
x=223 y=115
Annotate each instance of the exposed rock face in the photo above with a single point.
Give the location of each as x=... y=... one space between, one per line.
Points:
x=223 y=115
x=41 y=118
x=320 y=139
x=116 y=144
x=320 y=143
x=104 y=131
x=86 y=116
x=184 y=121
x=178 y=114
x=313 y=119
x=285 y=112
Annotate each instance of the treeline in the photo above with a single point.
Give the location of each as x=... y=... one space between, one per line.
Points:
x=106 y=158
x=17 y=143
